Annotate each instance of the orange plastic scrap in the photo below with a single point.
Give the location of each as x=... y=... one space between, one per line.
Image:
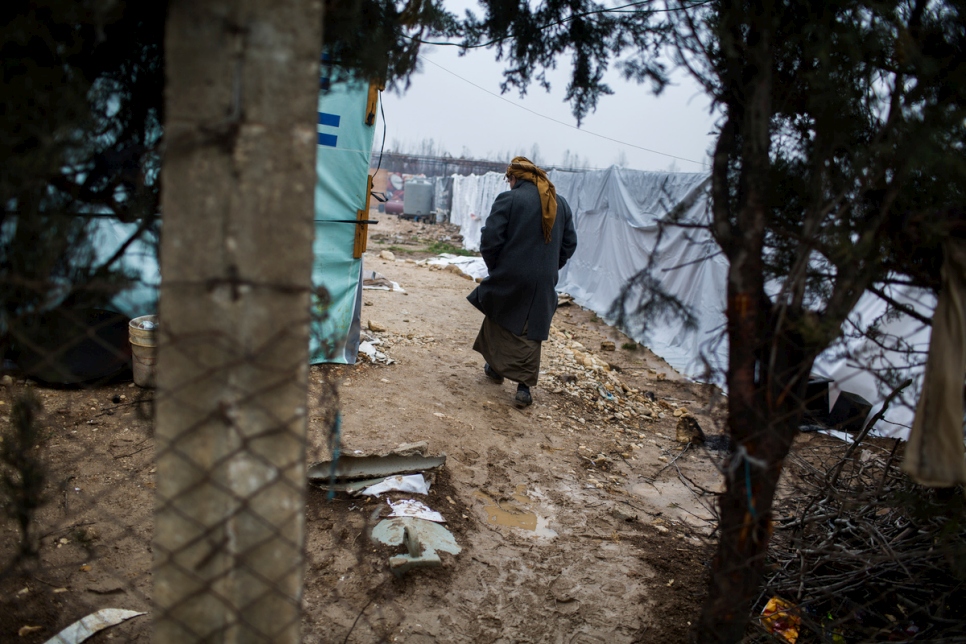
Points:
x=781 y=618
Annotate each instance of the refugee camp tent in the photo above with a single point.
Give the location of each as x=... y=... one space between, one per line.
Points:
x=347 y=112
x=617 y=213
x=346 y=117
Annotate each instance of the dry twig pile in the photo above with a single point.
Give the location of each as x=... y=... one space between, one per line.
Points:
x=866 y=555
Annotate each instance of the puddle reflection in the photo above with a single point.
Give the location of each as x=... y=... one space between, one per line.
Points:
x=510 y=513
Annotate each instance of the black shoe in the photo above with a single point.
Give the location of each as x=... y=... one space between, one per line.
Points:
x=492 y=375
x=523 y=398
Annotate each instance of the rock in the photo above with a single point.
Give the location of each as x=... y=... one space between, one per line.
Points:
x=607 y=345
x=418 y=448
x=387 y=255
x=6 y=381
x=689 y=431
x=681 y=411
x=456 y=270
x=377 y=327
x=620 y=513
x=87 y=534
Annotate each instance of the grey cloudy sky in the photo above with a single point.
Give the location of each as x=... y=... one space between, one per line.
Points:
x=455 y=101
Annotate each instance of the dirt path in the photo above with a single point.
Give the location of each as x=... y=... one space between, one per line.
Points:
x=579 y=518
x=611 y=547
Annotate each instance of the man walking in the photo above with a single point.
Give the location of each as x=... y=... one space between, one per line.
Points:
x=526 y=240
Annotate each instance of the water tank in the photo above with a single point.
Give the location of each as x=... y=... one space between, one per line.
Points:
x=418 y=198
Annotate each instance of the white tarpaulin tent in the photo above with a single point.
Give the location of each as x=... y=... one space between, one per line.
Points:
x=851 y=362
x=617 y=214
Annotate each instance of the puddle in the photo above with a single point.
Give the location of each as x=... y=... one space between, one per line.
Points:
x=543 y=529
x=511 y=515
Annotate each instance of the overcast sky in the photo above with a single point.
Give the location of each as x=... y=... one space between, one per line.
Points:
x=455 y=101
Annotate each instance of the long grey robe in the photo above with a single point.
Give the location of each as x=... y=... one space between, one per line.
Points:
x=523 y=270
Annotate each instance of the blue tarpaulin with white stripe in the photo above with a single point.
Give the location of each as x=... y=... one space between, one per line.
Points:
x=341 y=191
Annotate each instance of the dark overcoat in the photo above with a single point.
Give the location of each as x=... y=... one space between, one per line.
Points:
x=523 y=269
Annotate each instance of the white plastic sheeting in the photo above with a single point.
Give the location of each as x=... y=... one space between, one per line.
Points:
x=475 y=267
x=616 y=213
x=473 y=196
x=852 y=363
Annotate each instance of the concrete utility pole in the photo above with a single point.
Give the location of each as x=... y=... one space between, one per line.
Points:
x=236 y=254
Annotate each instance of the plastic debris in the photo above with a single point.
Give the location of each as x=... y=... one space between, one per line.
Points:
x=93 y=623
x=369 y=350
x=606 y=395
x=781 y=618
x=412 y=508
x=378 y=282
x=415 y=483
x=472 y=266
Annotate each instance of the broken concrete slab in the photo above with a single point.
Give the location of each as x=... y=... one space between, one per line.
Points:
x=423 y=539
x=351 y=471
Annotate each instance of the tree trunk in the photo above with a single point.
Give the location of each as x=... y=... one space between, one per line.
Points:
x=236 y=255
x=762 y=437
x=760 y=424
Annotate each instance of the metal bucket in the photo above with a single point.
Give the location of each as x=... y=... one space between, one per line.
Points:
x=143 y=335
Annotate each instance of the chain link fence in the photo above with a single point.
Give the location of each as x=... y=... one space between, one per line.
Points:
x=96 y=500
x=177 y=499
x=78 y=475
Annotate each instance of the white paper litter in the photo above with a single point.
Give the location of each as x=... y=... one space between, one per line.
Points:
x=87 y=626
x=373 y=281
x=395 y=287
x=413 y=508
x=415 y=483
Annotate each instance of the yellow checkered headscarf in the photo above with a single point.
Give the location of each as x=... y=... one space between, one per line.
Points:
x=523 y=168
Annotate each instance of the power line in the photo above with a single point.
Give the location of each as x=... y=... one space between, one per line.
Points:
x=565 y=124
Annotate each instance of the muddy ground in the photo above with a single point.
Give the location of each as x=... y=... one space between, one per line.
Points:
x=580 y=518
